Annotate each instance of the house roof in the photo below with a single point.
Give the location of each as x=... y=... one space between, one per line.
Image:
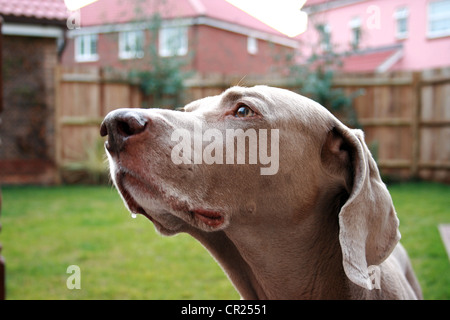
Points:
x=372 y=60
x=118 y=11
x=314 y=2
x=34 y=9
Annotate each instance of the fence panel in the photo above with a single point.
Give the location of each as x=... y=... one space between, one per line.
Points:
x=84 y=96
x=434 y=161
x=386 y=114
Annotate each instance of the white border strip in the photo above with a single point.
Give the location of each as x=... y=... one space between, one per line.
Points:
x=389 y=62
x=16 y=29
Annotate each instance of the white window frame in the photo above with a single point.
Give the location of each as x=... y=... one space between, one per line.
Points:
x=85 y=42
x=438 y=16
x=173 y=41
x=401 y=14
x=129 y=44
x=252 y=45
x=355 y=24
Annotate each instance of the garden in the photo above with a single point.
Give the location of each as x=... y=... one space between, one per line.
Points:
x=46 y=230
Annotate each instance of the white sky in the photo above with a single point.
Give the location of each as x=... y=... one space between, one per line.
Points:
x=284 y=16
x=73 y=5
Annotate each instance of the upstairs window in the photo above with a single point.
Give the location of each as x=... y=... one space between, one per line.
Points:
x=252 y=45
x=131 y=44
x=355 y=26
x=86 y=48
x=173 y=41
x=439 y=18
x=401 y=17
x=324 y=31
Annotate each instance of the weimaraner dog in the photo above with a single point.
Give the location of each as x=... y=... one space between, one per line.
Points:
x=285 y=197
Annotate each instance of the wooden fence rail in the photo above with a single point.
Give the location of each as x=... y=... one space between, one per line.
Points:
x=405 y=115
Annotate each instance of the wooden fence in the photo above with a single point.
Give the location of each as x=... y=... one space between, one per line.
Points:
x=406 y=116
x=83 y=97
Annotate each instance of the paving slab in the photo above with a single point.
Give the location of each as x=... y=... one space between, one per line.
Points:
x=444 y=229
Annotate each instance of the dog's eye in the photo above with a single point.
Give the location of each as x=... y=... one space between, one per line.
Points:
x=244 y=111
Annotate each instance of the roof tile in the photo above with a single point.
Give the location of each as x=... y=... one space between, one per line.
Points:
x=44 y=9
x=366 y=62
x=120 y=11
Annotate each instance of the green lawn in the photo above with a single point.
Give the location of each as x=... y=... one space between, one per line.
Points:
x=45 y=230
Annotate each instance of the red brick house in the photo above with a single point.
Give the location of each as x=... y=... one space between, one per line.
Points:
x=32 y=34
x=214 y=36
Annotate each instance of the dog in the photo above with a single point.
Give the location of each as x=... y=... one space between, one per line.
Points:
x=312 y=221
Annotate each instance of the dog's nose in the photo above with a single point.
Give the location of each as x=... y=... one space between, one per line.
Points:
x=121 y=124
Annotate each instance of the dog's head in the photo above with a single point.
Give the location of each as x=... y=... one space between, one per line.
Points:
x=261 y=159
x=217 y=160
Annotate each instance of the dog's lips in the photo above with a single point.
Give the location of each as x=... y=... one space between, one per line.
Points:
x=211 y=218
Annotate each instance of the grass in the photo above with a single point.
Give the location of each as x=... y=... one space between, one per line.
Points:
x=45 y=230
x=421 y=207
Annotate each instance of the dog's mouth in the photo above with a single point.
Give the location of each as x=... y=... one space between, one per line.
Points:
x=132 y=204
x=171 y=219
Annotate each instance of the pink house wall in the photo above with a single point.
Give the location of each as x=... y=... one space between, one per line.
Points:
x=378 y=26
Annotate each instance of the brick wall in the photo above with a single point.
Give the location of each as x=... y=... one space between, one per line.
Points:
x=211 y=50
x=27 y=130
x=108 y=50
x=220 y=52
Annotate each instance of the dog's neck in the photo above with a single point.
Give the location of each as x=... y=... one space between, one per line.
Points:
x=300 y=263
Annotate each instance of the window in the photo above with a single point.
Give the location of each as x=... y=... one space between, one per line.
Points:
x=173 y=41
x=86 y=48
x=131 y=44
x=439 y=18
x=252 y=45
x=401 y=17
x=355 y=25
x=325 y=36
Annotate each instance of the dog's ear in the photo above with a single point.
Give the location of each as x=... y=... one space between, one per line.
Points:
x=367 y=220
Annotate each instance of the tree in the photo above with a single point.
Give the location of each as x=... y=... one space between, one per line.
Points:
x=160 y=78
x=315 y=78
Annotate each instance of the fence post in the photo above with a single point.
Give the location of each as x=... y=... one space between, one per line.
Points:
x=2 y=261
x=57 y=123
x=415 y=125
